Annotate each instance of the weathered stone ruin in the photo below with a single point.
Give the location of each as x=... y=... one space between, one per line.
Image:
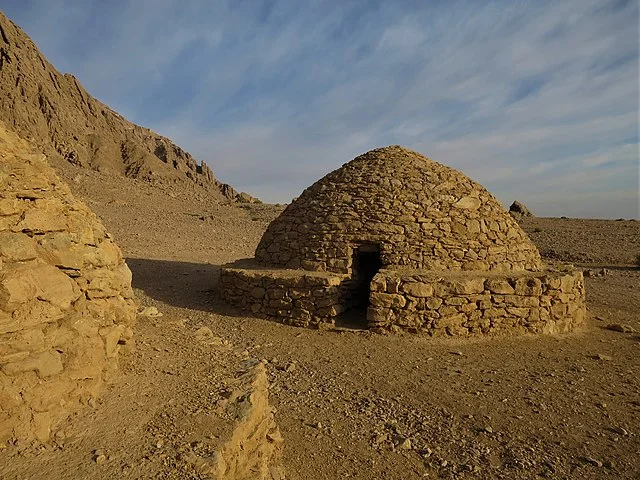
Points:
x=66 y=303
x=419 y=245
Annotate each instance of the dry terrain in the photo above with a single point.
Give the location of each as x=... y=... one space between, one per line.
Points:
x=350 y=404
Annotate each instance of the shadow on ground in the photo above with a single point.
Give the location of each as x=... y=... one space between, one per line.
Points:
x=194 y=286
x=180 y=284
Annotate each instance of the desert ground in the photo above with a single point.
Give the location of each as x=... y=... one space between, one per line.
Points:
x=349 y=403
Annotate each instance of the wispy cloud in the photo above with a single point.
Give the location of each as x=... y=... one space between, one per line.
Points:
x=537 y=100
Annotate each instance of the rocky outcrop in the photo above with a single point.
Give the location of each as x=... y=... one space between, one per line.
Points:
x=56 y=114
x=250 y=445
x=519 y=210
x=66 y=303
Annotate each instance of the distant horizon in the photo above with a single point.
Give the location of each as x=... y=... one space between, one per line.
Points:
x=537 y=101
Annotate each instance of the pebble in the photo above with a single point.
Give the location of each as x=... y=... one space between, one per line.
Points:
x=404 y=443
x=151 y=312
x=594 y=462
x=291 y=367
x=602 y=356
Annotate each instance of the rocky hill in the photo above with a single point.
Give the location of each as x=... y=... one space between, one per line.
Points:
x=56 y=114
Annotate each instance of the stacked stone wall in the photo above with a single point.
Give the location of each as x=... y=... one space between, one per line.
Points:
x=422 y=214
x=66 y=304
x=440 y=303
x=293 y=297
x=453 y=260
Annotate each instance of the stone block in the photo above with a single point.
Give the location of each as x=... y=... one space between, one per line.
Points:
x=10 y=206
x=29 y=340
x=378 y=316
x=22 y=283
x=111 y=336
x=518 y=312
x=387 y=300
x=45 y=363
x=500 y=286
x=258 y=292
x=528 y=286
x=456 y=301
x=9 y=397
x=567 y=283
x=420 y=290
x=46 y=217
x=17 y=247
x=520 y=301
x=59 y=249
x=468 y=203
x=456 y=320
x=393 y=285
x=379 y=284
x=447 y=310
x=433 y=303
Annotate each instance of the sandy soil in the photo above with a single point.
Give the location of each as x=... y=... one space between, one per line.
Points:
x=352 y=404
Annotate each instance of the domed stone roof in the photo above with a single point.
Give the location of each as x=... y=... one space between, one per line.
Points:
x=415 y=212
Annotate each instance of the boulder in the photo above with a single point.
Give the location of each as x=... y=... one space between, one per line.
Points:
x=519 y=210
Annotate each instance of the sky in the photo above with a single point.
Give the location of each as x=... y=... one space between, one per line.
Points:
x=536 y=100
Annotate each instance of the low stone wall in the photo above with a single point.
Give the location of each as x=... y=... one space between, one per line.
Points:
x=66 y=304
x=476 y=303
x=294 y=297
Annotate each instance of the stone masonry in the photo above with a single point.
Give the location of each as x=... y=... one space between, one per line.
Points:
x=424 y=248
x=477 y=303
x=296 y=297
x=66 y=303
x=421 y=213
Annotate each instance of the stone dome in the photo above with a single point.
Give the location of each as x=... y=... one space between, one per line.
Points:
x=412 y=211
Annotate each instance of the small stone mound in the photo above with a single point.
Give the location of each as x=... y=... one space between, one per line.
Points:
x=519 y=210
x=66 y=303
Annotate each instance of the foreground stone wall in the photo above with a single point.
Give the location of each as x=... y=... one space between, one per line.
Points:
x=294 y=297
x=66 y=304
x=250 y=446
x=478 y=303
x=421 y=214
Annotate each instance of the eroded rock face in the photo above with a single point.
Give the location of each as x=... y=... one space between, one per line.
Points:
x=66 y=303
x=55 y=113
x=419 y=213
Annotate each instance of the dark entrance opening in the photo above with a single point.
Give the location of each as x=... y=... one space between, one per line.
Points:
x=365 y=264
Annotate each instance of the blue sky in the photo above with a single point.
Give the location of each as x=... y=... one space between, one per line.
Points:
x=536 y=100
